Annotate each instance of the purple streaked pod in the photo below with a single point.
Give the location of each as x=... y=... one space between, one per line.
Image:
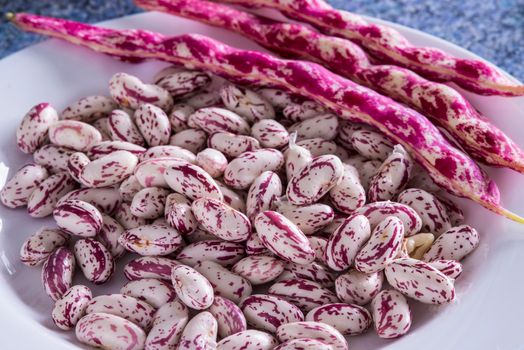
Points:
x=248 y=339
x=313 y=272
x=129 y=187
x=318 y=244
x=192 y=287
x=102 y=125
x=305 y=294
x=346 y=130
x=221 y=252
x=315 y=180
x=107 y=200
x=108 y=170
x=31 y=134
x=150 y=172
x=221 y=220
x=106 y=331
x=126 y=219
x=345 y=243
x=191 y=181
x=392 y=176
x=45 y=197
x=355 y=287
x=450 y=268
x=137 y=311
x=376 y=212
x=71 y=307
x=247 y=103
x=348 y=319
x=308 y=218
x=180 y=82
x=57 y=273
x=224 y=282
x=244 y=169
x=268 y=312
x=349 y=194
x=109 y=235
x=17 y=191
x=179 y=115
x=304 y=344
x=278 y=98
x=420 y=281
x=153 y=291
x=318 y=146
x=89 y=109
x=433 y=213
x=263 y=193
x=230 y=318
x=382 y=247
x=254 y=245
x=95 y=260
x=168 y=151
x=74 y=135
x=212 y=161
x=78 y=218
x=129 y=91
x=122 y=128
x=296 y=157
x=391 y=314
x=324 y=126
x=178 y=214
x=206 y=98
x=200 y=333
x=40 y=245
x=316 y=330
x=105 y=148
x=149 y=267
x=151 y=240
x=259 y=269
x=456 y=215
x=153 y=124
x=149 y=202
x=283 y=237
x=76 y=163
x=371 y=144
x=232 y=145
x=299 y=111
x=454 y=244
x=191 y=139
x=215 y=119
x=270 y=133
x=168 y=324
x=53 y=158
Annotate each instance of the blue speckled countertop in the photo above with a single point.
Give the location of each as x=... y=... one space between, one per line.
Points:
x=494 y=29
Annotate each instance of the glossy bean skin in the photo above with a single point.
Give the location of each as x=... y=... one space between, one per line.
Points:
x=190 y=139
x=44 y=198
x=324 y=126
x=451 y=268
x=153 y=124
x=454 y=244
x=129 y=91
x=150 y=172
x=303 y=293
x=355 y=287
x=206 y=98
x=270 y=133
x=122 y=128
x=318 y=146
x=247 y=103
x=181 y=83
x=259 y=269
x=296 y=157
x=224 y=253
x=76 y=164
x=310 y=329
x=31 y=134
x=244 y=169
x=349 y=194
x=308 y=218
x=74 y=135
x=168 y=151
x=229 y=316
x=302 y=110
x=215 y=119
x=391 y=314
x=57 y=273
x=376 y=212
x=94 y=259
x=18 y=189
x=149 y=202
x=153 y=291
x=39 y=246
x=192 y=288
x=348 y=319
x=68 y=310
x=232 y=145
x=89 y=108
x=191 y=181
x=304 y=344
x=124 y=217
x=106 y=199
x=53 y=158
x=263 y=193
x=168 y=323
x=108 y=170
x=199 y=333
x=178 y=214
x=212 y=161
x=127 y=307
x=248 y=339
x=107 y=147
x=78 y=218
x=149 y=267
x=371 y=144
x=233 y=198
x=150 y=240
x=314 y=272
x=109 y=235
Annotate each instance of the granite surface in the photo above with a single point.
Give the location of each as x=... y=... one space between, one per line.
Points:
x=494 y=29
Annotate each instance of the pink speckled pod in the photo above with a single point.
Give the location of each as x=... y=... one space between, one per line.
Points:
x=153 y=291
x=78 y=218
x=224 y=282
x=32 y=131
x=244 y=169
x=391 y=314
x=224 y=253
x=40 y=245
x=315 y=330
x=43 y=199
x=191 y=181
x=191 y=287
x=126 y=219
x=178 y=214
x=95 y=260
x=268 y=312
x=122 y=128
x=270 y=133
x=200 y=333
x=420 y=281
x=450 y=268
x=247 y=103
x=57 y=272
x=232 y=145
x=283 y=237
x=355 y=287
x=376 y=212
x=314 y=272
x=151 y=240
x=308 y=218
x=89 y=108
x=348 y=319
x=454 y=244
x=304 y=344
x=108 y=170
x=105 y=148
x=109 y=332
x=153 y=124
x=168 y=323
x=349 y=194
x=75 y=135
x=263 y=193
x=302 y=110
x=215 y=119
x=106 y=200
x=248 y=339
x=324 y=126
x=53 y=158
x=314 y=180
x=149 y=202
x=137 y=311
x=229 y=316
x=371 y=144
x=128 y=91
x=181 y=83
x=18 y=189
x=305 y=294
x=345 y=243
x=259 y=269
x=149 y=267
x=212 y=161
x=71 y=307
x=221 y=220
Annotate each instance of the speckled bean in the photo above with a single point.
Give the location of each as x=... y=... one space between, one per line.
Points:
x=137 y=311
x=181 y=83
x=107 y=200
x=355 y=287
x=278 y=98
x=149 y=267
x=392 y=176
x=149 y=202
x=191 y=287
x=31 y=134
x=18 y=189
x=105 y=148
x=313 y=272
x=94 y=259
x=74 y=135
x=168 y=324
x=151 y=240
x=88 y=109
x=76 y=163
x=391 y=314
x=126 y=219
x=129 y=187
x=247 y=103
x=371 y=144
x=376 y=212
x=248 y=339
x=450 y=268
x=315 y=330
x=153 y=124
x=108 y=170
x=348 y=194
x=304 y=110
x=215 y=119
x=254 y=245
x=348 y=319
x=232 y=145
x=179 y=115
x=229 y=316
x=305 y=294
x=168 y=151
x=153 y=291
x=296 y=157
x=40 y=245
x=304 y=344
x=68 y=310
x=129 y=91
x=263 y=193
x=454 y=244
x=318 y=146
x=212 y=161
x=150 y=172
x=44 y=198
x=234 y=199
x=122 y=128
x=323 y=126
x=308 y=218
x=244 y=169
x=57 y=273
x=191 y=139
x=270 y=133
x=259 y=269
x=78 y=218
x=191 y=181
x=52 y=157
x=318 y=244
x=206 y=98
x=221 y=252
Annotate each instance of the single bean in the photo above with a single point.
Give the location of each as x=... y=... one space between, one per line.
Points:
x=95 y=260
x=151 y=240
x=78 y=218
x=68 y=310
x=18 y=189
x=247 y=103
x=57 y=273
x=391 y=314
x=32 y=132
x=129 y=91
x=153 y=291
x=129 y=308
x=229 y=316
x=39 y=246
x=305 y=294
x=73 y=134
x=259 y=269
x=191 y=287
x=355 y=287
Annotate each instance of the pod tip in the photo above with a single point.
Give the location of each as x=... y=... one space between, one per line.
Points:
x=511 y=216
x=9 y=16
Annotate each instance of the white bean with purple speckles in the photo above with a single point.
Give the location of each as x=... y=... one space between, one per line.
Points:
x=316 y=330
x=454 y=244
x=391 y=314
x=270 y=133
x=259 y=269
x=149 y=202
x=192 y=288
x=129 y=91
x=33 y=129
x=68 y=310
x=323 y=126
x=244 y=169
x=94 y=259
x=355 y=287
x=263 y=193
x=248 y=339
x=168 y=324
x=18 y=189
x=130 y=308
x=153 y=291
x=212 y=161
x=232 y=145
x=78 y=218
x=148 y=240
x=229 y=316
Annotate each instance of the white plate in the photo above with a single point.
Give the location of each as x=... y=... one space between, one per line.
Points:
x=489 y=306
